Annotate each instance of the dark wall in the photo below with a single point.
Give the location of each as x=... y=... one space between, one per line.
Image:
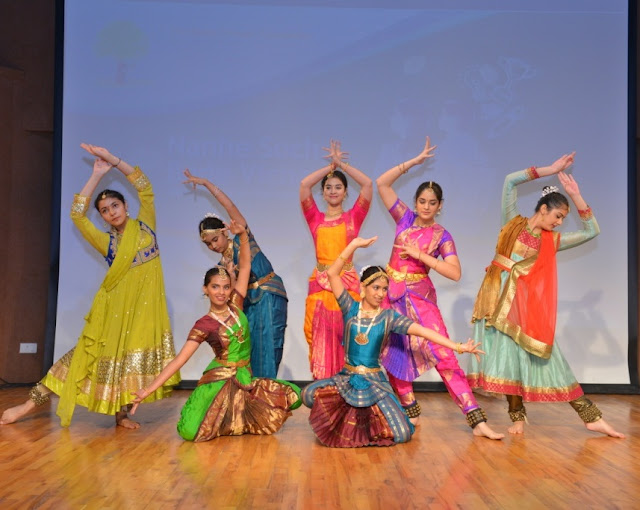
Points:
x=27 y=36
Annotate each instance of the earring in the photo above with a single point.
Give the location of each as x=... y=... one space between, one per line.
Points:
x=106 y=225
x=439 y=211
x=127 y=214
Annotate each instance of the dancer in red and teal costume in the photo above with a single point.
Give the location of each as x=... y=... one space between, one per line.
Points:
x=515 y=311
x=421 y=245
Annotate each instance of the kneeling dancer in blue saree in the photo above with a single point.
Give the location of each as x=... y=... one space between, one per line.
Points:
x=357 y=406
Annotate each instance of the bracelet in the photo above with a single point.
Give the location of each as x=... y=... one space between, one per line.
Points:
x=215 y=191
x=342 y=258
x=403 y=168
x=119 y=161
x=459 y=348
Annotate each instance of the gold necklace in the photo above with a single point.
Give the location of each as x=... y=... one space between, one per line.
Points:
x=228 y=252
x=334 y=214
x=362 y=338
x=240 y=333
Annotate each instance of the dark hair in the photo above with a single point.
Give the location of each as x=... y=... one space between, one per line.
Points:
x=210 y=223
x=370 y=271
x=552 y=199
x=437 y=190
x=337 y=174
x=214 y=271
x=108 y=193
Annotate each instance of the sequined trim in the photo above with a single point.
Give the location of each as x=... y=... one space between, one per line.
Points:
x=236 y=364
x=79 y=206
x=532 y=173
x=142 y=256
x=586 y=214
x=401 y=276
x=138 y=179
x=361 y=369
x=261 y=281
x=323 y=267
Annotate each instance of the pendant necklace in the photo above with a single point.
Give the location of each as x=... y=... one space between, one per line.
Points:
x=362 y=338
x=239 y=334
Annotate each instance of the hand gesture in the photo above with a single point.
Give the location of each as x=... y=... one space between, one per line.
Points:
x=361 y=242
x=410 y=249
x=140 y=396
x=569 y=184
x=192 y=179
x=235 y=228
x=471 y=346
x=562 y=163
x=335 y=153
x=427 y=152
x=99 y=152
x=101 y=167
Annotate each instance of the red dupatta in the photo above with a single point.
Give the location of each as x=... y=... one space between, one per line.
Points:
x=527 y=307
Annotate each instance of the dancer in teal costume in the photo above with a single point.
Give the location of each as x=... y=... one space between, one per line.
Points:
x=265 y=304
x=357 y=406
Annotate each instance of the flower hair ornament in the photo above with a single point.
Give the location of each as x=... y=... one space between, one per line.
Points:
x=363 y=270
x=549 y=189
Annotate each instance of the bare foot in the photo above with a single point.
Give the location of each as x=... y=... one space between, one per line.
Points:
x=123 y=420
x=415 y=421
x=604 y=428
x=483 y=430
x=13 y=414
x=516 y=428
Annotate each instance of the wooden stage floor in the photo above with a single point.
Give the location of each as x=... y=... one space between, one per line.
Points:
x=94 y=465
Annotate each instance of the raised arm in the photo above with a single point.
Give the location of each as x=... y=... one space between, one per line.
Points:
x=386 y=180
x=470 y=346
x=134 y=175
x=114 y=161
x=307 y=184
x=509 y=193
x=233 y=212
x=334 y=271
x=100 y=169
x=244 y=257
x=590 y=228
x=338 y=158
x=174 y=365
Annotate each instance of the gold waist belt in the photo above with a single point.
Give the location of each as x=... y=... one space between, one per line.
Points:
x=399 y=276
x=262 y=280
x=504 y=263
x=236 y=364
x=323 y=267
x=361 y=369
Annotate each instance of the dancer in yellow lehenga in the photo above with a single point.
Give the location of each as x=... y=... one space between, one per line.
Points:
x=126 y=340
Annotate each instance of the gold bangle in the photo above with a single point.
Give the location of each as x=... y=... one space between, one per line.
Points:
x=459 y=348
x=342 y=258
x=119 y=161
